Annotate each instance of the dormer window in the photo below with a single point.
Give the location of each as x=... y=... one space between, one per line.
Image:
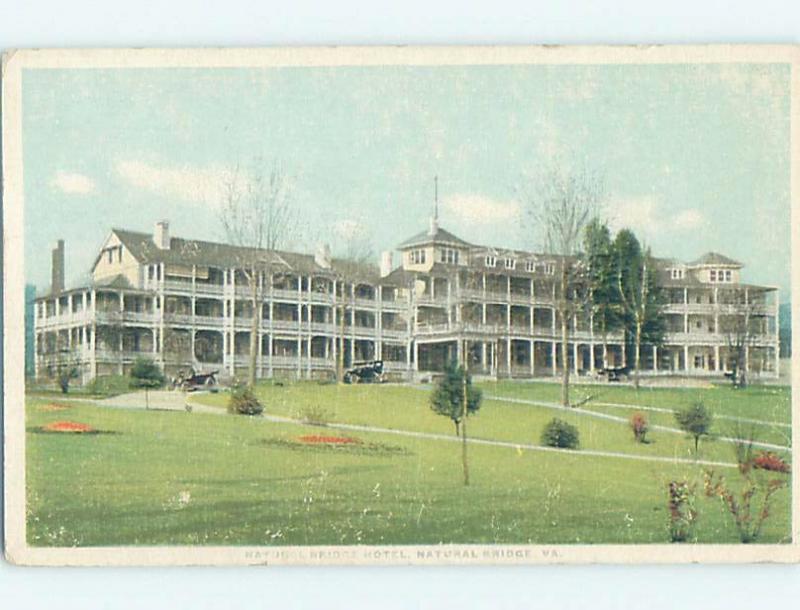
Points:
x=676 y=273
x=549 y=268
x=490 y=261
x=530 y=266
x=720 y=275
x=510 y=263
x=417 y=257
x=449 y=256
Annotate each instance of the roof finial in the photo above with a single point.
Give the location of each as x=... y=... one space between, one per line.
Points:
x=436 y=198
x=435 y=218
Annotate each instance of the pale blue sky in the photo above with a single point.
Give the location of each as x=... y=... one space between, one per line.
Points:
x=695 y=158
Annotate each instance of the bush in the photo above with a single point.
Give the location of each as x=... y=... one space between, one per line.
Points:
x=682 y=512
x=244 y=402
x=315 y=415
x=639 y=426
x=559 y=433
x=766 y=460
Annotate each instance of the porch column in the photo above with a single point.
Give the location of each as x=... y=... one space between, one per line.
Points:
x=532 y=354
x=575 y=357
x=553 y=357
x=686 y=358
x=716 y=358
x=655 y=358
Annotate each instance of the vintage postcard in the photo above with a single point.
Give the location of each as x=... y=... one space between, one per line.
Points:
x=400 y=305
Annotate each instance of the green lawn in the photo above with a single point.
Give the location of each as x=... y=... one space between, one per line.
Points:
x=180 y=478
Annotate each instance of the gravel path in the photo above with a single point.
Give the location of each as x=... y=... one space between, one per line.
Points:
x=179 y=401
x=617 y=418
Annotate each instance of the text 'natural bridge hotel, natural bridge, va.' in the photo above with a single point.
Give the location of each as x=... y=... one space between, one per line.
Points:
x=184 y=303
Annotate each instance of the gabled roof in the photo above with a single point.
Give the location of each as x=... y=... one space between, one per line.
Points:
x=715 y=258
x=197 y=252
x=114 y=281
x=439 y=236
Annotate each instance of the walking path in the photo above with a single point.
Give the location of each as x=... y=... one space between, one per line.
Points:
x=489 y=442
x=745 y=420
x=617 y=418
x=178 y=401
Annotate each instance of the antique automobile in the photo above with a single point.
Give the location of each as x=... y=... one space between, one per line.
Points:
x=615 y=373
x=192 y=381
x=365 y=372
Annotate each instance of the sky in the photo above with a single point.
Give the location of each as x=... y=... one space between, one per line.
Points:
x=693 y=158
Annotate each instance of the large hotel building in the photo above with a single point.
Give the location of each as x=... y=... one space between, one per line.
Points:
x=185 y=304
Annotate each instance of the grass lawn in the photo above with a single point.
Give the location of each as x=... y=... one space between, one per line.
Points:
x=196 y=478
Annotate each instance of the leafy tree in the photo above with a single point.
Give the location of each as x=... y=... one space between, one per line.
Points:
x=455 y=397
x=601 y=278
x=66 y=373
x=695 y=420
x=558 y=433
x=639 y=294
x=147 y=375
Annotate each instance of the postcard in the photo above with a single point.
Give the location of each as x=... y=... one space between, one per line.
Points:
x=400 y=305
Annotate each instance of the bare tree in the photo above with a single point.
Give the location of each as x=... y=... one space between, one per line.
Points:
x=740 y=329
x=560 y=204
x=258 y=217
x=355 y=255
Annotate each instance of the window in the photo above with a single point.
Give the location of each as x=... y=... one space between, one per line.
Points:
x=150 y=272
x=491 y=261
x=549 y=268
x=713 y=275
x=417 y=257
x=728 y=275
x=510 y=263
x=449 y=256
x=110 y=255
x=530 y=266
x=677 y=274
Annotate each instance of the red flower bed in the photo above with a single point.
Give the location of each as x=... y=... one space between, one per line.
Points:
x=328 y=440
x=67 y=426
x=766 y=460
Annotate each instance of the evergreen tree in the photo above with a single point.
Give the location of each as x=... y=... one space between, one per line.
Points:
x=448 y=396
x=639 y=295
x=601 y=277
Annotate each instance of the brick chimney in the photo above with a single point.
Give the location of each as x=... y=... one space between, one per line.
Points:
x=161 y=235
x=386 y=263
x=57 y=268
x=322 y=257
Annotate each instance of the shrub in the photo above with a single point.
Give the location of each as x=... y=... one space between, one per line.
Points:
x=682 y=513
x=766 y=460
x=559 y=433
x=244 y=402
x=750 y=507
x=639 y=426
x=315 y=415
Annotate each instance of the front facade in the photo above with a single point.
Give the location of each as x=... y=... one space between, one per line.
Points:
x=188 y=304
